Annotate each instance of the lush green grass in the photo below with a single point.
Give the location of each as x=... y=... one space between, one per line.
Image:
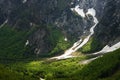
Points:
x=56 y=38
x=115 y=76
x=48 y=69
x=104 y=68
x=92 y=46
x=12 y=46
x=12 y=43
x=7 y=74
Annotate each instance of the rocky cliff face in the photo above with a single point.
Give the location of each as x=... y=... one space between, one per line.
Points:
x=25 y=15
x=108 y=29
x=98 y=5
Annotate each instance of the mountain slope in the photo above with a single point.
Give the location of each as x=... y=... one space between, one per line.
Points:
x=31 y=14
x=6 y=74
x=103 y=68
x=31 y=31
x=108 y=30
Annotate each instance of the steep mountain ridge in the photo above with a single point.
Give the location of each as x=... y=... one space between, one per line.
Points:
x=32 y=32
x=108 y=30
x=42 y=14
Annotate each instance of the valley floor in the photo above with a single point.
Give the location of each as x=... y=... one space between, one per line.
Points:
x=103 y=68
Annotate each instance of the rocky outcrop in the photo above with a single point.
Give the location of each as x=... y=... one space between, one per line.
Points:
x=108 y=29
x=26 y=15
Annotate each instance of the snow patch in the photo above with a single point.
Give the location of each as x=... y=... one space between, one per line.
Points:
x=42 y=79
x=27 y=43
x=77 y=45
x=31 y=24
x=84 y=32
x=72 y=3
x=79 y=11
x=91 y=11
x=24 y=1
x=89 y=60
x=107 y=49
x=68 y=52
x=66 y=39
x=4 y=23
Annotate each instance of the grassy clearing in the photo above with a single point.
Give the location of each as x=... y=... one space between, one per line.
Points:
x=92 y=46
x=56 y=40
x=12 y=43
x=104 y=68
x=12 y=46
x=7 y=74
x=49 y=70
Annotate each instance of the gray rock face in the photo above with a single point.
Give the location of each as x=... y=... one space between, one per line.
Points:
x=36 y=39
x=108 y=29
x=43 y=12
x=98 y=5
x=58 y=13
